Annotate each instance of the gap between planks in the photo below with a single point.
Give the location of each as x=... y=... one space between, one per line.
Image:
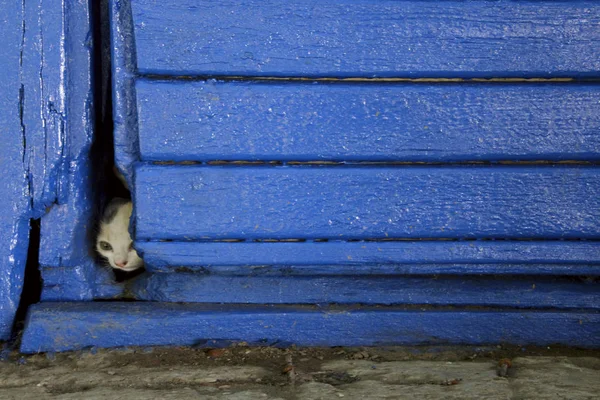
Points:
x=377 y=163
x=325 y=240
x=158 y=77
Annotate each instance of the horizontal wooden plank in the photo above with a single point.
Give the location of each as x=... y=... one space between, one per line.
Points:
x=376 y=258
x=197 y=202
x=146 y=324
x=526 y=292
x=375 y=122
x=384 y=38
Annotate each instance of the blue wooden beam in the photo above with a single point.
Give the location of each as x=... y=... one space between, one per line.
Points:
x=525 y=292
x=366 y=38
x=70 y=326
x=123 y=75
x=66 y=223
x=199 y=202
x=45 y=100
x=14 y=190
x=203 y=121
x=377 y=258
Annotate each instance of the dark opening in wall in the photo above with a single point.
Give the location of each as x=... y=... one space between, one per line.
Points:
x=32 y=279
x=105 y=183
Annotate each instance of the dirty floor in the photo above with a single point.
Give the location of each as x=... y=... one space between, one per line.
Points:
x=248 y=373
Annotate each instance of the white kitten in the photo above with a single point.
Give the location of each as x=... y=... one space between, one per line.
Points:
x=114 y=242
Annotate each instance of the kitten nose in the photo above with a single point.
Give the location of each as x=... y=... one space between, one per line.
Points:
x=121 y=264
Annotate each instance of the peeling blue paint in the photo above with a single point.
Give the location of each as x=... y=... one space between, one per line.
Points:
x=65 y=225
x=14 y=190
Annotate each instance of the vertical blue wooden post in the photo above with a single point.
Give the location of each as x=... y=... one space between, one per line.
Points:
x=14 y=189
x=58 y=118
x=46 y=125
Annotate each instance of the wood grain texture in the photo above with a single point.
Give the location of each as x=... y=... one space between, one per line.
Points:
x=66 y=262
x=376 y=258
x=44 y=107
x=196 y=202
x=45 y=77
x=65 y=226
x=70 y=326
x=85 y=282
x=14 y=200
x=366 y=38
x=123 y=70
x=375 y=122
x=528 y=292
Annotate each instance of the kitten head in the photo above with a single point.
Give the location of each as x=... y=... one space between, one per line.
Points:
x=114 y=242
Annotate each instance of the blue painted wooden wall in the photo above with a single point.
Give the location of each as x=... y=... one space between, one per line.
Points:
x=356 y=172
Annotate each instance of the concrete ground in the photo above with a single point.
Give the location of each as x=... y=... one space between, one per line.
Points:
x=248 y=373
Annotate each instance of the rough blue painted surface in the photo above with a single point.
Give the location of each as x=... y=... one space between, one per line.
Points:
x=64 y=242
x=123 y=70
x=57 y=73
x=201 y=121
x=527 y=292
x=182 y=121
x=368 y=38
x=64 y=326
x=420 y=257
x=44 y=65
x=85 y=282
x=388 y=269
x=44 y=154
x=196 y=202
x=14 y=188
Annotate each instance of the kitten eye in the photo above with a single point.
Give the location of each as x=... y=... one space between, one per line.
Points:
x=105 y=246
x=131 y=246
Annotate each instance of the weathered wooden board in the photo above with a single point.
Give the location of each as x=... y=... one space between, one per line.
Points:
x=69 y=326
x=66 y=223
x=85 y=282
x=367 y=38
x=376 y=258
x=123 y=68
x=66 y=216
x=14 y=187
x=197 y=202
x=46 y=76
x=369 y=122
x=44 y=105
x=526 y=292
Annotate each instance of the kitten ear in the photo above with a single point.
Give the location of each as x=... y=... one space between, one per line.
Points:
x=112 y=208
